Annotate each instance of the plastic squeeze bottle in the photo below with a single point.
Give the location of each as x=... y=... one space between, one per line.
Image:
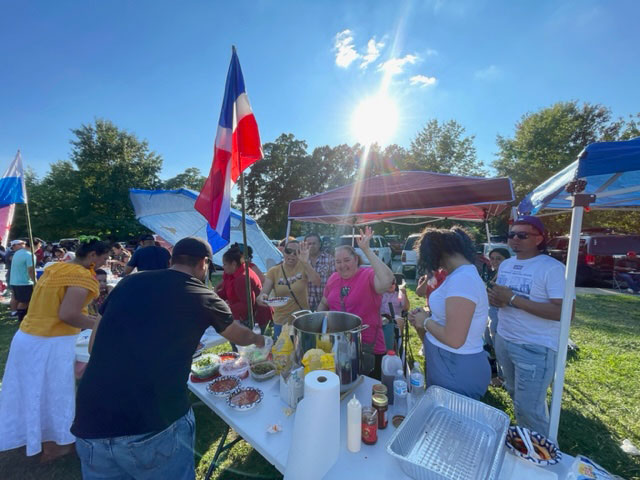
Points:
x=354 y=425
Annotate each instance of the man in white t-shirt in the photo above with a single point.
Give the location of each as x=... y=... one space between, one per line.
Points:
x=528 y=292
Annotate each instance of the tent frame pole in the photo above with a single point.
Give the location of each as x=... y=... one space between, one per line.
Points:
x=579 y=201
x=247 y=281
x=288 y=230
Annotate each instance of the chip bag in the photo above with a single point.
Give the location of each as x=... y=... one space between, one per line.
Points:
x=282 y=351
x=318 y=359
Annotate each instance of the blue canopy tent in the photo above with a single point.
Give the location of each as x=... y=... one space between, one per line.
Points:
x=171 y=214
x=605 y=176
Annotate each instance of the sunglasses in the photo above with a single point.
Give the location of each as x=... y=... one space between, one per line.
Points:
x=290 y=251
x=521 y=235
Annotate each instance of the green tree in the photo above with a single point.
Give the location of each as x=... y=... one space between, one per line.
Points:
x=190 y=178
x=548 y=140
x=443 y=148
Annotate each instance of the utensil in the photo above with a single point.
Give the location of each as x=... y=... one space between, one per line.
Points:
x=324 y=324
x=526 y=438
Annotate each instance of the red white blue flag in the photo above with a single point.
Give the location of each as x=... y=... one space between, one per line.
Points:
x=237 y=147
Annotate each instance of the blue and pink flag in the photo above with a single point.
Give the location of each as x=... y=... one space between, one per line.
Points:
x=237 y=147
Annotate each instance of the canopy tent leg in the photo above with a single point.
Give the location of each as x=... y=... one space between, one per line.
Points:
x=486 y=227
x=579 y=202
x=288 y=229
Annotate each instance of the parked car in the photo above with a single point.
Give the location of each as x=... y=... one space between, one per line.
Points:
x=378 y=245
x=409 y=257
x=395 y=243
x=598 y=255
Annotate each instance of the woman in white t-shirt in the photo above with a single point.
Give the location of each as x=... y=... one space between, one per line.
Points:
x=455 y=358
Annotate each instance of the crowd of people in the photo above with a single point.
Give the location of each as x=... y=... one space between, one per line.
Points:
x=122 y=417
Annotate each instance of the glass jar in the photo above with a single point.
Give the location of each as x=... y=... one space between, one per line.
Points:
x=369 y=425
x=381 y=404
x=379 y=389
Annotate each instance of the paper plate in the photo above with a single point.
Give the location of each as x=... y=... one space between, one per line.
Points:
x=245 y=398
x=277 y=301
x=536 y=439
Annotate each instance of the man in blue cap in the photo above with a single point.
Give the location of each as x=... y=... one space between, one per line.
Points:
x=528 y=292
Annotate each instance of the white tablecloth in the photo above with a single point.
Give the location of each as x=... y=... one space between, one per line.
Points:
x=371 y=462
x=210 y=338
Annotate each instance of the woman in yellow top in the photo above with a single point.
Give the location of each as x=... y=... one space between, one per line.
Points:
x=289 y=279
x=37 y=402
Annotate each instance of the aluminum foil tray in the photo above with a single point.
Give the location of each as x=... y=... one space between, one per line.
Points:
x=450 y=436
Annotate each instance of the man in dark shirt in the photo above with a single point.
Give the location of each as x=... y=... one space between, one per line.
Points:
x=133 y=417
x=148 y=257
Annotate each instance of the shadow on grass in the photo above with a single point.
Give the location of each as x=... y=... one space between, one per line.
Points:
x=15 y=465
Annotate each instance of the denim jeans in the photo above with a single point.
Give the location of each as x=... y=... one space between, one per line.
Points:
x=158 y=455
x=528 y=370
x=630 y=280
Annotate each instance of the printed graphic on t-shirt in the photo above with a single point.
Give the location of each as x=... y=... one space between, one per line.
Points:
x=518 y=281
x=292 y=280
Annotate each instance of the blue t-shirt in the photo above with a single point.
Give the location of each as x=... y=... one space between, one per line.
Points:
x=21 y=261
x=150 y=258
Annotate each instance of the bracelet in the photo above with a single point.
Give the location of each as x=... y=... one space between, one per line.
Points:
x=511 y=300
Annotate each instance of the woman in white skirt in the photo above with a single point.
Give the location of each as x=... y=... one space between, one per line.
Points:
x=37 y=401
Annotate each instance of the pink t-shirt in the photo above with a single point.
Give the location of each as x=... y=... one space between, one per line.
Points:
x=361 y=299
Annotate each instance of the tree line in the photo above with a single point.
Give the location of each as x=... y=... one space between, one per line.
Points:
x=89 y=192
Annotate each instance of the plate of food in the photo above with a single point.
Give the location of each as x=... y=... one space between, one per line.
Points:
x=548 y=451
x=228 y=356
x=245 y=398
x=205 y=366
x=223 y=386
x=277 y=301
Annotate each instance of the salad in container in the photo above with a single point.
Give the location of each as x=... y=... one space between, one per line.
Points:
x=205 y=366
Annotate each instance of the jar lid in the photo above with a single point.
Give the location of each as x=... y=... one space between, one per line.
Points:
x=379 y=389
x=380 y=400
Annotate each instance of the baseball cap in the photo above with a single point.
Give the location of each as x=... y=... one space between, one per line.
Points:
x=146 y=237
x=192 y=247
x=535 y=222
x=17 y=242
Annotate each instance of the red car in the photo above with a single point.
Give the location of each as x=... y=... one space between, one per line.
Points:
x=600 y=253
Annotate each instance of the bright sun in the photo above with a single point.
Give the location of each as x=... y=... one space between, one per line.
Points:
x=375 y=119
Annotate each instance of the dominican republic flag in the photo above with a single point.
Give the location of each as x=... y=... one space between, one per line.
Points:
x=237 y=147
x=12 y=189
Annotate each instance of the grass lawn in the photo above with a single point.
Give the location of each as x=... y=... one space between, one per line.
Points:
x=601 y=403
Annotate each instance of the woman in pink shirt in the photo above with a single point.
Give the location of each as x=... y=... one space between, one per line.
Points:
x=358 y=290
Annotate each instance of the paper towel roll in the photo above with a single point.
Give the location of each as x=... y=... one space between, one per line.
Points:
x=315 y=443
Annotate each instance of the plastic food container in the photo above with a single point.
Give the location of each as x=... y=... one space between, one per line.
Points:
x=538 y=441
x=263 y=371
x=238 y=368
x=223 y=386
x=449 y=436
x=205 y=366
x=228 y=356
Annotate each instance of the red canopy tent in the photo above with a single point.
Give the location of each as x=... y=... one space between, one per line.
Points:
x=406 y=195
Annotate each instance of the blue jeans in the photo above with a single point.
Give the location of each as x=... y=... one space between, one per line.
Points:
x=631 y=282
x=528 y=370
x=158 y=455
x=467 y=375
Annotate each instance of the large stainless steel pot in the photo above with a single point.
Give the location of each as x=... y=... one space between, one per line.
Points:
x=342 y=333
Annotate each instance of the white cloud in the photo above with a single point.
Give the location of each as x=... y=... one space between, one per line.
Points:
x=395 y=66
x=345 y=51
x=373 y=52
x=422 y=80
x=492 y=72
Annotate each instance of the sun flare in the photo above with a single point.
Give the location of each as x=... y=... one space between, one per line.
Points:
x=375 y=119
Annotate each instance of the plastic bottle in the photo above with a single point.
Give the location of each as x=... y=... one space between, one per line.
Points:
x=400 y=394
x=354 y=425
x=391 y=363
x=256 y=329
x=417 y=383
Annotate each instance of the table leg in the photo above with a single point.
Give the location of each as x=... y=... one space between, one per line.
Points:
x=219 y=451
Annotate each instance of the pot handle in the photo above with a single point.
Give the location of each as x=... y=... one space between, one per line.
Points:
x=299 y=313
x=360 y=328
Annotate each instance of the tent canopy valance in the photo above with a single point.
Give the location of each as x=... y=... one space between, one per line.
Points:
x=406 y=195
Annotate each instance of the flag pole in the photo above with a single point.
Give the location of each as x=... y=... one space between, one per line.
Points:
x=247 y=281
x=247 y=284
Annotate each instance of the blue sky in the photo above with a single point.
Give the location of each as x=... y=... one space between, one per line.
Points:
x=157 y=68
